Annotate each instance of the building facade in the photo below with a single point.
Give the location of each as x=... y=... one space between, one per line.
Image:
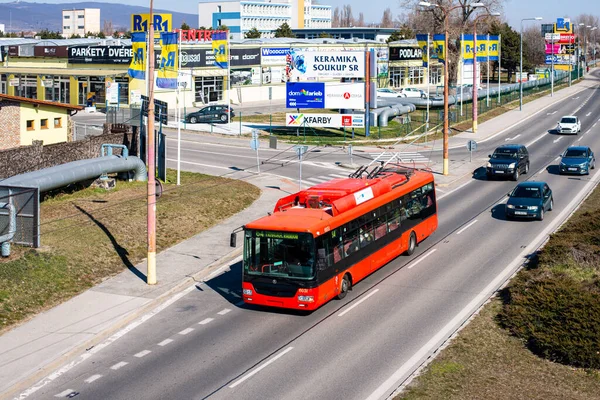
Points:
x=266 y=16
x=26 y=120
x=80 y=22
x=314 y=32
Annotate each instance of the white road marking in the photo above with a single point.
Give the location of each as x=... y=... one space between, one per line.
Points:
x=119 y=365
x=588 y=131
x=165 y=342
x=225 y=311
x=249 y=375
x=588 y=114
x=357 y=303
x=143 y=353
x=339 y=176
x=186 y=331
x=93 y=378
x=318 y=179
x=536 y=139
x=452 y=191
x=467 y=227
x=222 y=269
x=205 y=321
x=440 y=190
x=557 y=140
x=579 y=140
x=201 y=165
x=422 y=258
x=575 y=98
x=551 y=113
x=441 y=336
x=593 y=126
x=512 y=138
x=50 y=378
x=65 y=393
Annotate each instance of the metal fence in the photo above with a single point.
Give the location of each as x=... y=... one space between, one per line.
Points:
x=121 y=115
x=27 y=204
x=82 y=131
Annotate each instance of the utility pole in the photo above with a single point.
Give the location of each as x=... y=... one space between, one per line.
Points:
x=151 y=275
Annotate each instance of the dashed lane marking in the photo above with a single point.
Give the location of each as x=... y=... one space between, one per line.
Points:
x=225 y=311
x=205 y=321
x=93 y=378
x=165 y=342
x=119 y=365
x=186 y=331
x=143 y=353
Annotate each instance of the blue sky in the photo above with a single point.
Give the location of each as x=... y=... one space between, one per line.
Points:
x=514 y=9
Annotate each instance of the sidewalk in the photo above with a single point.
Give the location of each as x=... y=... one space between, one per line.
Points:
x=38 y=347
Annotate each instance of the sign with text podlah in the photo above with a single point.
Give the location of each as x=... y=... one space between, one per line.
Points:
x=326 y=120
x=325 y=65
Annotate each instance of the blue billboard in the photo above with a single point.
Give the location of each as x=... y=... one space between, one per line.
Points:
x=305 y=95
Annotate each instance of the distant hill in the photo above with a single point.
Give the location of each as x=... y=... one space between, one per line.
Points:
x=22 y=16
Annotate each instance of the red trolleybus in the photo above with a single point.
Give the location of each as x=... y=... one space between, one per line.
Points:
x=320 y=241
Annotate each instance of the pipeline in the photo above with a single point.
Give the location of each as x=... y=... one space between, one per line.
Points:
x=393 y=111
x=12 y=229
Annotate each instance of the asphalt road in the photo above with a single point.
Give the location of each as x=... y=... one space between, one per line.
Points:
x=209 y=345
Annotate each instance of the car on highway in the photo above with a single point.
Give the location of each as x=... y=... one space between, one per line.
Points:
x=214 y=113
x=412 y=92
x=387 y=92
x=569 y=124
x=529 y=200
x=577 y=160
x=508 y=160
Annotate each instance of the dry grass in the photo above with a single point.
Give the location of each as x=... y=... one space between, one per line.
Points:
x=90 y=235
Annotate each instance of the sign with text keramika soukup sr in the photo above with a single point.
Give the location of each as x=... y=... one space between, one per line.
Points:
x=325 y=64
x=162 y=23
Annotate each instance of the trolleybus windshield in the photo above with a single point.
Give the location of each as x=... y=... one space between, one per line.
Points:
x=279 y=254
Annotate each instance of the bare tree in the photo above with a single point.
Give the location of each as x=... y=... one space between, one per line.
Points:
x=533 y=47
x=108 y=28
x=346 y=18
x=387 y=20
x=423 y=20
x=361 y=19
x=587 y=37
x=335 y=19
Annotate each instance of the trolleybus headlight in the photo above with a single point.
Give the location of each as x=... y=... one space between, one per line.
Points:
x=306 y=299
x=532 y=208
x=247 y=292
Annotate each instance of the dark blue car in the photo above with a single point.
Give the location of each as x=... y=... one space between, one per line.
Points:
x=529 y=200
x=577 y=160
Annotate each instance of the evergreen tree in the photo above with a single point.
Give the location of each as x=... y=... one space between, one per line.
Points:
x=324 y=35
x=252 y=34
x=284 y=31
x=184 y=26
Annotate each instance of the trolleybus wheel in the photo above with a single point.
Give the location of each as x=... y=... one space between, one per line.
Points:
x=345 y=287
x=412 y=244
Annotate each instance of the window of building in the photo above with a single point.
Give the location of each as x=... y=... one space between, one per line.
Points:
x=67 y=17
x=81 y=16
x=397 y=76
x=30 y=125
x=208 y=89
x=123 y=89
x=435 y=75
x=58 y=122
x=66 y=27
x=416 y=75
x=80 y=27
x=44 y=123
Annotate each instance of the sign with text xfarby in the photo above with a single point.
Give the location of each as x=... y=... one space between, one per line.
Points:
x=326 y=120
x=325 y=65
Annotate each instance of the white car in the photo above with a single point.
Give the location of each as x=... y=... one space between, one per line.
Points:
x=412 y=92
x=385 y=92
x=569 y=124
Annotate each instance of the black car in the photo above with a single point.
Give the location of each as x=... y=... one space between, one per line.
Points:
x=529 y=200
x=215 y=113
x=508 y=160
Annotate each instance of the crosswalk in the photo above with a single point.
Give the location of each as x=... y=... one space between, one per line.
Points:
x=403 y=156
x=315 y=180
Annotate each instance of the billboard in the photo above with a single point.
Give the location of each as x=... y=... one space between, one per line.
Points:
x=244 y=57
x=326 y=120
x=305 y=95
x=274 y=55
x=405 y=53
x=345 y=95
x=100 y=55
x=325 y=65
x=564 y=59
x=50 y=51
x=161 y=22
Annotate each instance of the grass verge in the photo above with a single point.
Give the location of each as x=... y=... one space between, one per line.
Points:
x=91 y=234
x=486 y=362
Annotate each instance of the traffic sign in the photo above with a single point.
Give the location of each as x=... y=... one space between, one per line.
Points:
x=161 y=109
x=471 y=145
x=300 y=150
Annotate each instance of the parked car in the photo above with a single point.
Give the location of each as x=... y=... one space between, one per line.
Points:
x=215 y=113
x=412 y=92
x=508 y=160
x=569 y=124
x=577 y=160
x=386 y=92
x=529 y=200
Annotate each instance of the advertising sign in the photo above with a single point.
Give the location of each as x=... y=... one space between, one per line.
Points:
x=552 y=48
x=13 y=51
x=274 y=55
x=13 y=82
x=560 y=59
x=562 y=38
x=405 y=53
x=195 y=35
x=243 y=57
x=112 y=93
x=161 y=22
x=325 y=65
x=345 y=95
x=326 y=120
x=50 y=51
x=100 y=55
x=305 y=95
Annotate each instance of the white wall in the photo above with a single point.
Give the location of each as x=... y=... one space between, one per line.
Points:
x=206 y=10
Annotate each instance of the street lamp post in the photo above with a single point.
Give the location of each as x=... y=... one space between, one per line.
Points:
x=475 y=80
x=445 y=133
x=521 y=68
x=579 y=53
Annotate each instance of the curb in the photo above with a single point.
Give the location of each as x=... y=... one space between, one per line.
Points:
x=117 y=325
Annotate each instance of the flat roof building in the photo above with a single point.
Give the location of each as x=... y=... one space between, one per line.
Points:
x=80 y=22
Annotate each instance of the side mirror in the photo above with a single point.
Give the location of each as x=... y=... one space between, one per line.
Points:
x=489 y=155
x=508 y=194
x=233 y=240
